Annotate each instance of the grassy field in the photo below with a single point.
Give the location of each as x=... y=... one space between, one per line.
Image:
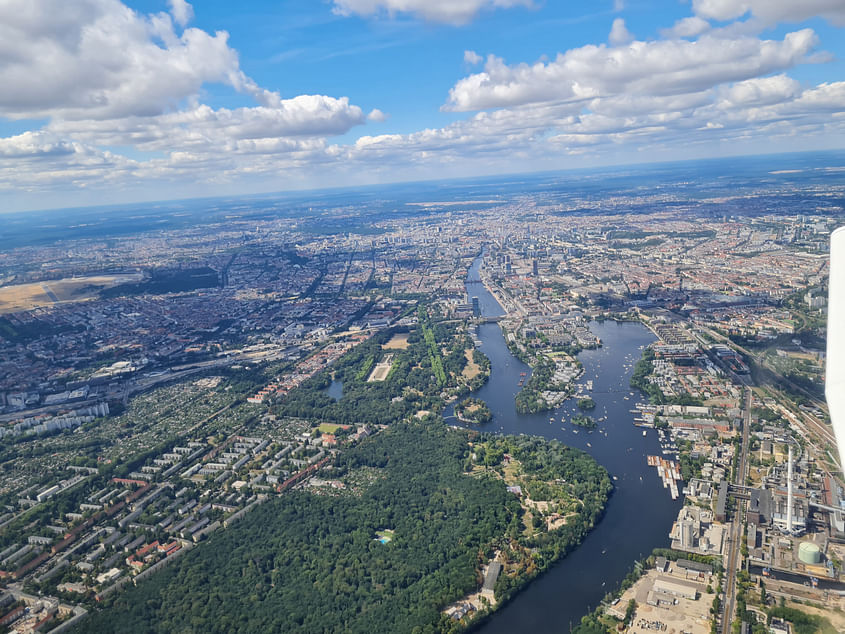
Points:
x=472 y=369
x=398 y=342
x=330 y=428
x=21 y=297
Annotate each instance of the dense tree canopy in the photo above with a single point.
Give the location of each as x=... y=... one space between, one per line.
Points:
x=311 y=562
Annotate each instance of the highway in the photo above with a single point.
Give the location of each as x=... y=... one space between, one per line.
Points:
x=736 y=522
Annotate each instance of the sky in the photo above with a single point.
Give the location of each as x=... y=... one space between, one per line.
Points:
x=110 y=101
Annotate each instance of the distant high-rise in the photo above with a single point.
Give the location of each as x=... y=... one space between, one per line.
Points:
x=476 y=307
x=536 y=268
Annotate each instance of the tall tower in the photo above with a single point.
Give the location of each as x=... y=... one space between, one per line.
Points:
x=687 y=538
x=789 y=493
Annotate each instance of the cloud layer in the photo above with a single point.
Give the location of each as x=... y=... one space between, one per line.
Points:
x=641 y=68
x=455 y=12
x=99 y=59
x=121 y=93
x=772 y=11
x=106 y=76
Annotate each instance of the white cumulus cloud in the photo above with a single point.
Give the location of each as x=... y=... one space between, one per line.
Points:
x=619 y=33
x=209 y=129
x=772 y=11
x=182 y=11
x=762 y=91
x=692 y=26
x=98 y=58
x=377 y=115
x=455 y=12
x=105 y=76
x=658 y=67
x=472 y=58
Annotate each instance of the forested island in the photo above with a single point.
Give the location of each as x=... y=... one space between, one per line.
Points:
x=415 y=513
x=587 y=422
x=554 y=369
x=530 y=398
x=473 y=410
x=586 y=403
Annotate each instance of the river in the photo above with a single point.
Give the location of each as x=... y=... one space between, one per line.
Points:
x=640 y=512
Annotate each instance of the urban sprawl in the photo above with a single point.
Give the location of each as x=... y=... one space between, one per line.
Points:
x=143 y=378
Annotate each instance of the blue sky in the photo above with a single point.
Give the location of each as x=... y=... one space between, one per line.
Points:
x=141 y=100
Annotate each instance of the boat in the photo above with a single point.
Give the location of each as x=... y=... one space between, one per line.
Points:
x=589 y=445
x=644 y=433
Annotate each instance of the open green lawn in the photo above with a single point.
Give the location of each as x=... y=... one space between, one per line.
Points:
x=329 y=428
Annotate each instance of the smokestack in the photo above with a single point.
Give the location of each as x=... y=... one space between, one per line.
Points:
x=789 y=493
x=835 y=370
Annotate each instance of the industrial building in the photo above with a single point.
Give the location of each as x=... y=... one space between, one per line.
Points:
x=760 y=507
x=721 y=513
x=490 y=579
x=668 y=587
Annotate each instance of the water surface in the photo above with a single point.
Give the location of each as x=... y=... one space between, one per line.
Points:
x=640 y=512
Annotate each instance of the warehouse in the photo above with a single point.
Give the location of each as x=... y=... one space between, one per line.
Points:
x=676 y=588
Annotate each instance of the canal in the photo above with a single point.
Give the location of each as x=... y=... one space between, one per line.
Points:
x=640 y=512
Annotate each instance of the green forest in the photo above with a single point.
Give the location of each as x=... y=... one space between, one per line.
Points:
x=473 y=410
x=163 y=281
x=587 y=422
x=415 y=382
x=309 y=562
x=530 y=400
x=544 y=466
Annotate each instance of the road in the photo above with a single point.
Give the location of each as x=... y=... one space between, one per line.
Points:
x=736 y=522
